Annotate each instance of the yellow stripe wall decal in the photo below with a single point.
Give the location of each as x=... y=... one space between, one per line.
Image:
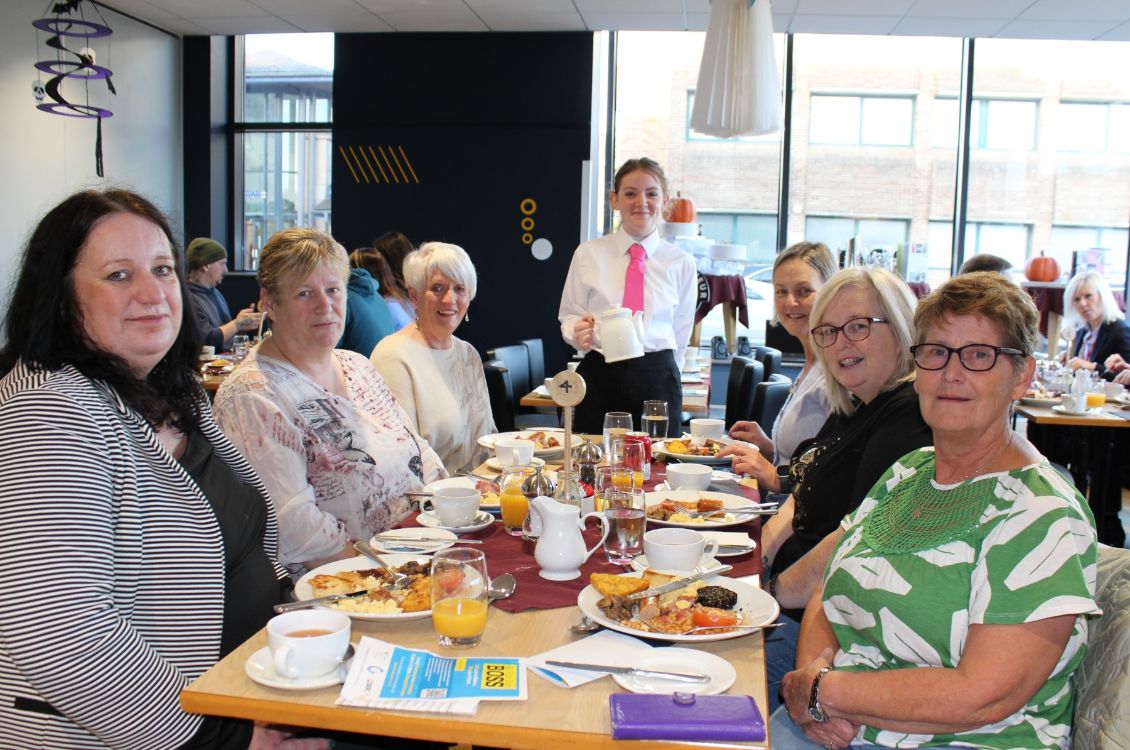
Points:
x=378 y=164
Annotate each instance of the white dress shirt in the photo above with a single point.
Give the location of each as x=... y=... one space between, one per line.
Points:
x=596 y=283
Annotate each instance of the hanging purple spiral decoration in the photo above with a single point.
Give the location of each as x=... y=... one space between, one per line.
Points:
x=80 y=67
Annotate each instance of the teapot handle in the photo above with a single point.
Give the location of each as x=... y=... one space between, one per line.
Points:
x=604 y=530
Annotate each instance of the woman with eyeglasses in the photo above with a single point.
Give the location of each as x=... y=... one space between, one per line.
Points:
x=952 y=612
x=862 y=329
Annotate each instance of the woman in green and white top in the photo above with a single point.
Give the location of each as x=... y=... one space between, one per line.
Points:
x=952 y=610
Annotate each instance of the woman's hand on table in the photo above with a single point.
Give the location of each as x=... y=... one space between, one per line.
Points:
x=1123 y=378
x=266 y=738
x=1115 y=363
x=751 y=432
x=748 y=460
x=583 y=331
x=1078 y=363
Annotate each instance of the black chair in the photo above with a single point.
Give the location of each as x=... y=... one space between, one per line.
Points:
x=501 y=394
x=744 y=373
x=536 y=354
x=516 y=357
x=769 y=357
x=768 y=398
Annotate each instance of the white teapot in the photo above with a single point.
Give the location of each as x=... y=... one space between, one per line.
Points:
x=560 y=551
x=620 y=332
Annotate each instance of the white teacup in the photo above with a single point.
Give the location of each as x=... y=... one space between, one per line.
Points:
x=454 y=506
x=1112 y=390
x=677 y=549
x=1074 y=403
x=688 y=476
x=308 y=643
x=707 y=428
x=514 y=451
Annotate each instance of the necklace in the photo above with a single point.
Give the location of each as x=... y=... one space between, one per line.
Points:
x=917 y=516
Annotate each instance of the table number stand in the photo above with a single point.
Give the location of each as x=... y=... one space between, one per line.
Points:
x=567 y=390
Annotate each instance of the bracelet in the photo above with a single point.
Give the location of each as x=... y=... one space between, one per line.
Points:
x=772 y=586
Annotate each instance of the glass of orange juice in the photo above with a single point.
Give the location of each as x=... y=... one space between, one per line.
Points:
x=459 y=596
x=1095 y=399
x=512 y=500
x=633 y=458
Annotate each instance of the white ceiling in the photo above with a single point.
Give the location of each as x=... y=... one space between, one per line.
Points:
x=1028 y=19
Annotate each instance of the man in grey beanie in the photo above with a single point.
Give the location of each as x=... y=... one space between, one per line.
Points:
x=207 y=264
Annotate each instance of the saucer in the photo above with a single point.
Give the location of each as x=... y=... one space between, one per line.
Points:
x=260 y=667
x=706 y=563
x=1059 y=408
x=497 y=465
x=481 y=520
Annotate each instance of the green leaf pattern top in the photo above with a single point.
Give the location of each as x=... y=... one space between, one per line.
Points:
x=1032 y=556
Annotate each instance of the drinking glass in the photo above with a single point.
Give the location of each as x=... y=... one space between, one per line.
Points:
x=616 y=425
x=609 y=478
x=627 y=521
x=655 y=419
x=459 y=596
x=240 y=344
x=633 y=456
x=512 y=501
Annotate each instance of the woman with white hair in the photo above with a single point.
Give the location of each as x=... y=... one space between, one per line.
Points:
x=436 y=377
x=1101 y=330
x=323 y=430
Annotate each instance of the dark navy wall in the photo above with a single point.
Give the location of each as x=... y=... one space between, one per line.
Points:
x=475 y=139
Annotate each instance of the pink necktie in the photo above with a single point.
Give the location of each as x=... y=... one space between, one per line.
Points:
x=633 y=279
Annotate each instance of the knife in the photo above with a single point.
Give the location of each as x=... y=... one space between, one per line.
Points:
x=674 y=585
x=291 y=606
x=677 y=676
x=392 y=538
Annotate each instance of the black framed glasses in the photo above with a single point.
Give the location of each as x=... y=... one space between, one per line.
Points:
x=974 y=357
x=856 y=329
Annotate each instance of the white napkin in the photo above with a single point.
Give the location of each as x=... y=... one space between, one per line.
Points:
x=695 y=391
x=735 y=538
x=542 y=391
x=605 y=647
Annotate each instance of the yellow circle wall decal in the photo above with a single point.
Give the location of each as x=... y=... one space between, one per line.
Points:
x=528 y=206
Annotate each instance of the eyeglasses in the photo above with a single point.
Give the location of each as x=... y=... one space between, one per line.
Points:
x=974 y=357
x=856 y=329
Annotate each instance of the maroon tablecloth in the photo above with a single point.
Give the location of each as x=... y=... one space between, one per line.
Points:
x=509 y=554
x=714 y=290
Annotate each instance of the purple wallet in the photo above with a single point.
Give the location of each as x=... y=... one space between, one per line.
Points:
x=685 y=716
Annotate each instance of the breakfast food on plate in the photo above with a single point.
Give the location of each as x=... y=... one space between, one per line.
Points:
x=416 y=597
x=686 y=447
x=489 y=492
x=217 y=366
x=542 y=440
x=674 y=511
x=1040 y=393
x=673 y=613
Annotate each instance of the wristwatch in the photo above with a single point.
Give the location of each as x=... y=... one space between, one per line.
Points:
x=785 y=478
x=814 y=709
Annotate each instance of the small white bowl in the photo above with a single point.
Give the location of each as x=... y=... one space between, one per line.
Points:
x=689 y=476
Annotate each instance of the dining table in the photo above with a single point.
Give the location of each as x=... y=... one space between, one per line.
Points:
x=696 y=394
x=534 y=620
x=1100 y=430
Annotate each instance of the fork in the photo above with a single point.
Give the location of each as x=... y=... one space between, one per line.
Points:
x=767 y=508
x=399 y=580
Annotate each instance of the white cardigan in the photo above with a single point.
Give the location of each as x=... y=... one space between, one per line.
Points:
x=111 y=569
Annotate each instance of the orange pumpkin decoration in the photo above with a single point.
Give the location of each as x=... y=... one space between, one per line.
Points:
x=681 y=210
x=1041 y=268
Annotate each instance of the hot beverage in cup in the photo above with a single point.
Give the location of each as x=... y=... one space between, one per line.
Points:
x=514 y=452
x=677 y=549
x=688 y=476
x=453 y=506
x=707 y=428
x=1074 y=403
x=308 y=643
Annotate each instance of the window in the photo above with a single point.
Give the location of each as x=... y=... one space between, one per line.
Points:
x=1093 y=127
x=993 y=123
x=1066 y=240
x=862 y=120
x=885 y=234
x=757 y=231
x=283 y=136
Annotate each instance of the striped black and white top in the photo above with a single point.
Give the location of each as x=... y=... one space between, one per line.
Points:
x=111 y=569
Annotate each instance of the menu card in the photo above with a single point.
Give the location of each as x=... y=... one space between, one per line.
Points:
x=384 y=675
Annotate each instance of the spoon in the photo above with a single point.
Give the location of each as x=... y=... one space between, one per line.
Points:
x=501 y=587
x=585 y=626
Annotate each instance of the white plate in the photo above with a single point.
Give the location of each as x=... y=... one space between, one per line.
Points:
x=728 y=501
x=1058 y=408
x=487 y=441
x=724 y=477
x=706 y=563
x=674 y=659
x=260 y=667
x=755 y=606
x=394 y=546
x=481 y=520
x=661 y=449
x=1033 y=401
x=303 y=590
x=692 y=368
x=488 y=502
x=497 y=465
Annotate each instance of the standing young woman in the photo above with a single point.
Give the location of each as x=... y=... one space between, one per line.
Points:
x=634 y=268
